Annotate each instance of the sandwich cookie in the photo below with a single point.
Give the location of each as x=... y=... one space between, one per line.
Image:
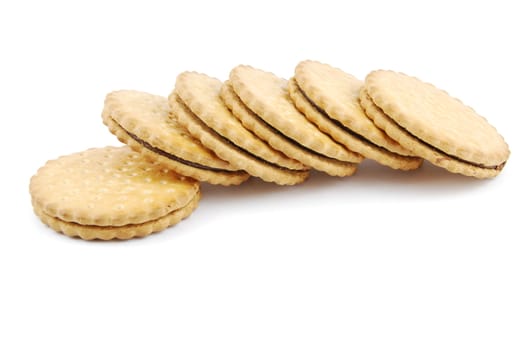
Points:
x=196 y=104
x=329 y=97
x=267 y=110
x=111 y=192
x=142 y=121
x=434 y=125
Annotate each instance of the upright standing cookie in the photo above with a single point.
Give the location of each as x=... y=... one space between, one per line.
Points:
x=197 y=105
x=436 y=126
x=329 y=97
x=111 y=192
x=142 y=121
x=279 y=123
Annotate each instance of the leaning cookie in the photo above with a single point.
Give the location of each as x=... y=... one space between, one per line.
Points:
x=434 y=125
x=110 y=193
x=142 y=121
x=261 y=101
x=196 y=104
x=328 y=97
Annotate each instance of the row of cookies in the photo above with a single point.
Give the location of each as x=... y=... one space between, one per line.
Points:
x=322 y=118
x=258 y=124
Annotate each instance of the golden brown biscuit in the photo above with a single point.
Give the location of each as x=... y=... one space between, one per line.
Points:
x=218 y=143
x=267 y=110
x=436 y=126
x=142 y=121
x=329 y=97
x=111 y=192
x=197 y=104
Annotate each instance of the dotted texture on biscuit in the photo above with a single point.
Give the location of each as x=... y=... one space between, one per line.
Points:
x=233 y=154
x=337 y=93
x=436 y=118
x=213 y=176
x=280 y=142
x=430 y=153
x=111 y=186
x=349 y=139
x=267 y=96
x=201 y=94
x=147 y=117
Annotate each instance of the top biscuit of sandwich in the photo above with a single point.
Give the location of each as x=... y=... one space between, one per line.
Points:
x=437 y=119
x=110 y=186
x=337 y=93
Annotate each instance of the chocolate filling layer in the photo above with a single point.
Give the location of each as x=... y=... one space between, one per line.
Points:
x=294 y=142
x=344 y=128
x=173 y=157
x=435 y=149
x=233 y=145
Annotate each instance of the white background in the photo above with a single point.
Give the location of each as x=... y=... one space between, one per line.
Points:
x=380 y=260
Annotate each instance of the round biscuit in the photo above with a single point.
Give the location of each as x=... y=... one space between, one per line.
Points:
x=430 y=153
x=348 y=138
x=279 y=141
x=144 y=122
x=437 y=119
x=110 y=186
x=267 y=96
x=235 y=155
x=337 y=93
x=201 y=94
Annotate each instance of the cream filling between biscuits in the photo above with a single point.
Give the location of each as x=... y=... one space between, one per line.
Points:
x=292 y=141
x=437 y=150
x=236 y=147
x=100 y=232
x=347 y=130
x=172 y=156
